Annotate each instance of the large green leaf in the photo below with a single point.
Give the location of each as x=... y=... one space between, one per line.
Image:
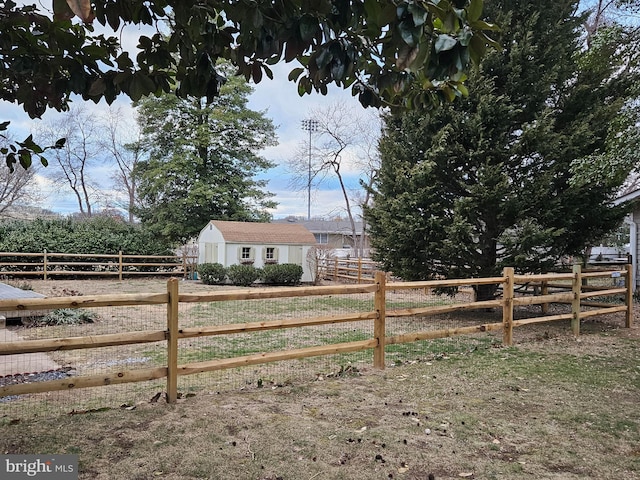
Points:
x=444 y=42
x=474 y=10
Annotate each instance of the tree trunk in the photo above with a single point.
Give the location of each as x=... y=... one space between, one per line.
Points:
x=485 y=292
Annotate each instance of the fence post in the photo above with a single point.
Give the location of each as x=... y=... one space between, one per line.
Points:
x=628 y=281
x=544 y=290
x=575 y=304
x=379 y=325
x=44 y=263
x=507 y=307
x=120 y=265
x=172 y=340
x=359 y=271
x=335 y=270
x=185 y=273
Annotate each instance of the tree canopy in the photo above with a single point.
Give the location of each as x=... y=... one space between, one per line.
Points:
x=389 y=52
x=491 y=180
x=203 y=161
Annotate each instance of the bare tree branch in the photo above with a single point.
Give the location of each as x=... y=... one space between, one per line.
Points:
x=16 y=188
x=121 y=139
x=71 y=164
x=345 y=145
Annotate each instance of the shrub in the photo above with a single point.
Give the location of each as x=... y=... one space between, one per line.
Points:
x=282 y=274
x=97 y=235
x=65 y=316
x=212 y=273
x=243 y=275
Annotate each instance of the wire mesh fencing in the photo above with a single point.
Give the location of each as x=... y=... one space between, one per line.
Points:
x=273 y=374
x=256 y=338
x=66 y=365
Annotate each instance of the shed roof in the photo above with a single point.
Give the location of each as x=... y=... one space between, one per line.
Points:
x=264 y=233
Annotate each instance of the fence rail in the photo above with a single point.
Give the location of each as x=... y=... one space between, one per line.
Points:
x=381 y=310
x=47 y=264
x=358 y=270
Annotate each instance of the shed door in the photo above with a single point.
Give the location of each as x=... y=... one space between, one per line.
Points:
x=210 y=252
x=295 y=255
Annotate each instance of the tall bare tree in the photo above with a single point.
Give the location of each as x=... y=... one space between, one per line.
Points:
x=368 y=159
x=345 y=145
x=121 y=140
x=70 y=165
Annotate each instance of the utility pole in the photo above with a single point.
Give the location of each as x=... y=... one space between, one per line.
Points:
x=311 y=126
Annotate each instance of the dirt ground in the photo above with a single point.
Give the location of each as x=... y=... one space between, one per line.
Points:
x=551 y=407
x=61 y=288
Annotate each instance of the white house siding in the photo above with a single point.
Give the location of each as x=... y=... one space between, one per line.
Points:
x=634 y=247
x=209 y=242
x=633 y=220
x=286 y=254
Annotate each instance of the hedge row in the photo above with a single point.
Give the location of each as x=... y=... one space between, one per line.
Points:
x=245 y=275
x=99 y=235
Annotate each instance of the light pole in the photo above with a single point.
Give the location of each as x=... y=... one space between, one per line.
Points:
x=311 y=126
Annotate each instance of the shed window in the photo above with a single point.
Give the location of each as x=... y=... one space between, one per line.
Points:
x=246 y=255
x=270 y=255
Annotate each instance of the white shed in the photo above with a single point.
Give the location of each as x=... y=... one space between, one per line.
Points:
x=259 y=244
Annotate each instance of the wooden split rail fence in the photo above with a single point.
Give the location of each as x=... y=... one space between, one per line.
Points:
x=357 y=270
x=47 y=265
x=378 y=314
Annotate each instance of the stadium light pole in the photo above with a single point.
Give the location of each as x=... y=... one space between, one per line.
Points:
x=311 y=126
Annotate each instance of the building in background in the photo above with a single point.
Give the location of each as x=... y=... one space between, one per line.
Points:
x=335 y=235
x=257 y=244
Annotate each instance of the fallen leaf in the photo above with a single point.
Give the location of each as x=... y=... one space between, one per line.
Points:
x=466 y=474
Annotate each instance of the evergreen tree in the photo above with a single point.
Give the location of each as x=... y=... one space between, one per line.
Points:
x=489 y=181
x=203 y=161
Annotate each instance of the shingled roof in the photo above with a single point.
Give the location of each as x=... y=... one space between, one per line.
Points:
x=264 y=233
